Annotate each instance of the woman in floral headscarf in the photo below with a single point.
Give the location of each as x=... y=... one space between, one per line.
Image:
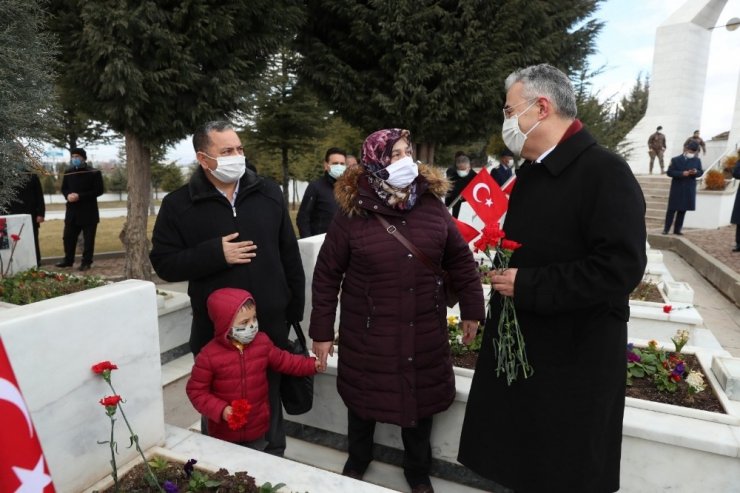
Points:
x=394 y=354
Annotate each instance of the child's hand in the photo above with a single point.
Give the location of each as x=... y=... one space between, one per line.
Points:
x=226 y=413
x=319 y=367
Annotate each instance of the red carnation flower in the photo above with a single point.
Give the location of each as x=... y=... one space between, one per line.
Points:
x=15 y=237
x=239 y=410
x=667 y=308
x=510 y=244
x=103 y=366
x=111 y=400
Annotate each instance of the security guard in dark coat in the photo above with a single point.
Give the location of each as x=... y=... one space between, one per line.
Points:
x=81 y=187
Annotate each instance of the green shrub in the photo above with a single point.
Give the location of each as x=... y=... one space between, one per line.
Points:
x=37 y=285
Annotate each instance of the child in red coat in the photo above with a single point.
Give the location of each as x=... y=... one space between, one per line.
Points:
x=228 y=383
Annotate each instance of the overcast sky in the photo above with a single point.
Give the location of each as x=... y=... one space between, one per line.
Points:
x=624 y=49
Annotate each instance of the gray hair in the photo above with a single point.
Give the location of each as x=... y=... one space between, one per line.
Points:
x=546 y=80
x=201 y=140
x=462 y=160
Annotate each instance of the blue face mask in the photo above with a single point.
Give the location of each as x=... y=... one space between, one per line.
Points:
x=76 y=162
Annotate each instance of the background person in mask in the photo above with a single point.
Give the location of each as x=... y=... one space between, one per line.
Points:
x=394 y=356
x=504 y=170
x=318 y=205
x=579 y=214
x=459 y=176
x=81 y=187
x=683 y=170
x=29 y=199
x=229 y=227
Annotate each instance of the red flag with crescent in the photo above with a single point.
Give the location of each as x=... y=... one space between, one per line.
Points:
x=468 y=232
x=22 y=463
x=486 y=198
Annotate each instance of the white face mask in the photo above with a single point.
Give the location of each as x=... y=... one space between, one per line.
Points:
x=402 y=172
x=336 y=170
x=512 y=135
x=462 y=173
x=245 y=334
x=689 y=155
x=230 y=168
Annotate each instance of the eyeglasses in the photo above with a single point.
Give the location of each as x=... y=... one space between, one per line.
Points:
x=508 y=110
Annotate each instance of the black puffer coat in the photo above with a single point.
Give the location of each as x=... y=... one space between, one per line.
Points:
x=394 y=354
x=187 y=247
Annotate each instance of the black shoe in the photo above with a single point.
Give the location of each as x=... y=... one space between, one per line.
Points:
x=85 y=267
x=63 y=264
x=678 y=233
x=665 y=232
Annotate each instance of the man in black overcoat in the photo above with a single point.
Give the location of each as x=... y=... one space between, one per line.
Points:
x=229 y=227
x=81 y=187
x=29 y=199
x=579 y=214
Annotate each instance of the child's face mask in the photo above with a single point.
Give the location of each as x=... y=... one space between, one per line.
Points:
x=245 y=333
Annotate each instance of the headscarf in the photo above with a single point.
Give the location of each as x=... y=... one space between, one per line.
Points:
x=376 y=156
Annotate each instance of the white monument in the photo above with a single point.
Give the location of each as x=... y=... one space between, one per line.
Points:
x=678 y=82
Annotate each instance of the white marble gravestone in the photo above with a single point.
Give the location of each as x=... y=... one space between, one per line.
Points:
x=52 y=346
x=24 y=256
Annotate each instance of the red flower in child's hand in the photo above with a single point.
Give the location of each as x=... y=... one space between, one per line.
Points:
x=510 y=244
x=667 y=308
x=102 y=366
x=239 y=410
x=15 y=237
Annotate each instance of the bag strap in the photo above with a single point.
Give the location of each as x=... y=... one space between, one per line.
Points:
x=393 y=231
x=299 y=334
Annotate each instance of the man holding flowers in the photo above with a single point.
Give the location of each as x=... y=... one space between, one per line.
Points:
x=578 y=214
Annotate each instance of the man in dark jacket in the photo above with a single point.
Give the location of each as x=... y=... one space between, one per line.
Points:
x=735 y=218
x=504 y=171
x=684 y=170
x=81 y=186
x=319 y=205
x=229 y=227
x=29 y=199
x=459 y=176
x=579 y=215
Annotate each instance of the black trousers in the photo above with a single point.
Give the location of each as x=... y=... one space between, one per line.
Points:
x=669 y=220
x=737 y=235
x=417 y=454
x=70 y=235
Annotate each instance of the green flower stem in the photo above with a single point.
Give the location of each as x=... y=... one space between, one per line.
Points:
x=113 y=454
x=135 y=440
x=511 y=355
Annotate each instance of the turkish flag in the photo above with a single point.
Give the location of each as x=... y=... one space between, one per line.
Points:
x=509 y=186
x=486 y=198
x=468 y=232
x=22 y=464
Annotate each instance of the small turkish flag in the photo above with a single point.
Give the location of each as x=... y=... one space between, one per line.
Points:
x=468 y=232
x=486 y=198
x=22 y=465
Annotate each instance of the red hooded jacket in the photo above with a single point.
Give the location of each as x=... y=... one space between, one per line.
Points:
x=223 y=373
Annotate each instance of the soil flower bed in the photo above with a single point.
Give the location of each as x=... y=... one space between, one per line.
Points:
x=35 y=285
x=181 y=478
x=639 y=388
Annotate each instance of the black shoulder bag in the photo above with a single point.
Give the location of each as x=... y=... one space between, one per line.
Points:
x=297 y=392
x=450 y=293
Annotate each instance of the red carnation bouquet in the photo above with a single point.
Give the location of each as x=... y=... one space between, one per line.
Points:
x=508 y=342
x=239 y=410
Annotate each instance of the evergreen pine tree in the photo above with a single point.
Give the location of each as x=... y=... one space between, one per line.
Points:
x=435 y=67
x=25 y=81
x=155 y=70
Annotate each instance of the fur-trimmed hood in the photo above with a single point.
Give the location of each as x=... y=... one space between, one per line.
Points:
x=348 y=187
